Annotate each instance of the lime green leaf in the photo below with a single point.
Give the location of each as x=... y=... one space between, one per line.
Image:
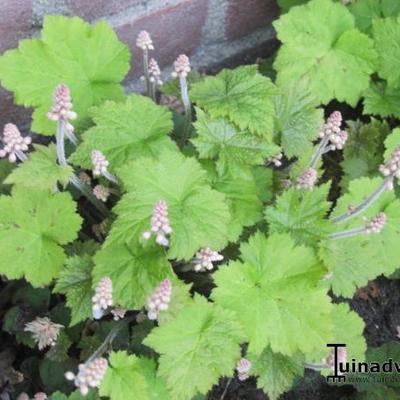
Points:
x=5 y=169
x=242 y=95
x=243 y=199
x=126 y=131
x=75 y=282
x=89 y=59
x=391 y=143
x=386 y=34
x=196 y=348
x=264 y=181
x=321 y=44
x=182 y=184
x=157 y=386
x=33 y=225
x=40 y=170
x=273 y=292
x=276 y=372
x=297 y=120
x=382 y=100
x=134 y=271
x=363 y=151
x=356 y=260
x=234 y=150
x=124 y=378
x=302 y=214
x=92 y=395
x=366 y=11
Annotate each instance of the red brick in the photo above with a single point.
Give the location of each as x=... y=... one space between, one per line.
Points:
x=11 y=113
x=246 y=16
x=15 y=22
x=175 y=30
x=93 y=9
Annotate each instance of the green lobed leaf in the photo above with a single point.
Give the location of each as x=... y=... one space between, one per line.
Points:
x=124 y=378
x=33 y=226
x=362 y=154
x=208 y=339
x=134 y=271
x=276 y=372
x=125 y=131
x=367 y=11
x=392 y=141
x=182 y=184
x=40 y=170
x=233 y=150
x=386 y=33
x=302 y=214
x=242 y=95
x=321 y=44
x=297 y=120
x=75 y=281
x=379 y=99
x=356 y=260
x=89 y=59
x=278 y=279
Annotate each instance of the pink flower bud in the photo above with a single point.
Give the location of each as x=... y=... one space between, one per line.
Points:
x=99 y=163
x=205 y=258
x=160 y=226
x=159 y=300
x=62 y=106
x=243 y=367
x=144 y=41
x=376 y=224
x=181 y=66
x=102 y=298
x=14 y=143
x=307 y=179
x=101 y=192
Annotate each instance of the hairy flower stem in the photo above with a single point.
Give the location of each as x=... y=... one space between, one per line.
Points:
x=315 y=367
x=365 y=204
x=146 y=72
x=109 y=338
x=188 y=108
x=83 y=188
x=226 y=389
x=110 y=177
x=348 y=233
x=321 y=149
x=71 y=137
x=21 y=155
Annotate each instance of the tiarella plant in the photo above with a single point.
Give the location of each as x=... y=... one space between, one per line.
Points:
x=207 y=241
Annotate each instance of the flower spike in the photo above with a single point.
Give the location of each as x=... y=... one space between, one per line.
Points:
x=307 y=179
x=159 y=300
x=102 y=298
x=243 y=367
x=205 y=258
x=143 y=41
x=15 y=145
x=100 y=166
x=160 y=225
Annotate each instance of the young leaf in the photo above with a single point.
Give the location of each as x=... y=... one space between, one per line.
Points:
x=75 y=282
x=135 y=272
x=386 y=34
x=242 y=95
x=234 y=150
x=363 y=151
x=391 y=142
x=33 y=225
x=276 y=372
x=196 y=348
x=366 y=11
x=380 y=99
x=279 y=280
x=321 y=44
x=40 y=170
x=126 y=131
x=182 y=184
x=297 y=120
x=356 y=260
x=124 y=378
x=302 y=214
x=89 y=59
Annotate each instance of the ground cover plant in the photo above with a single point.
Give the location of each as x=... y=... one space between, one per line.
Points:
x=208 y=233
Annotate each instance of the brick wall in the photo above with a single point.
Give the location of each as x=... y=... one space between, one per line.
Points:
x=208 y=31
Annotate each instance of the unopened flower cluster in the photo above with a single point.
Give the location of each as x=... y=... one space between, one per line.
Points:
x=154 y=72
x=243 y=368
x=99 y=162
x=181 y=66
x=44 y=331
x=102 y=298
x=205 y=258
x=307 y=179
x=159 y=300
x=160 y=225
x=392 y=167
x=62 y=107
x=144 y=41
x=118 y=313
x=331 y=129
x=89 y=375
x=101 y=192
x=14 y=143
x=376 y=224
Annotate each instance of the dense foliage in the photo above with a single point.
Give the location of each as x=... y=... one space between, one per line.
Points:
x=162 y=249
